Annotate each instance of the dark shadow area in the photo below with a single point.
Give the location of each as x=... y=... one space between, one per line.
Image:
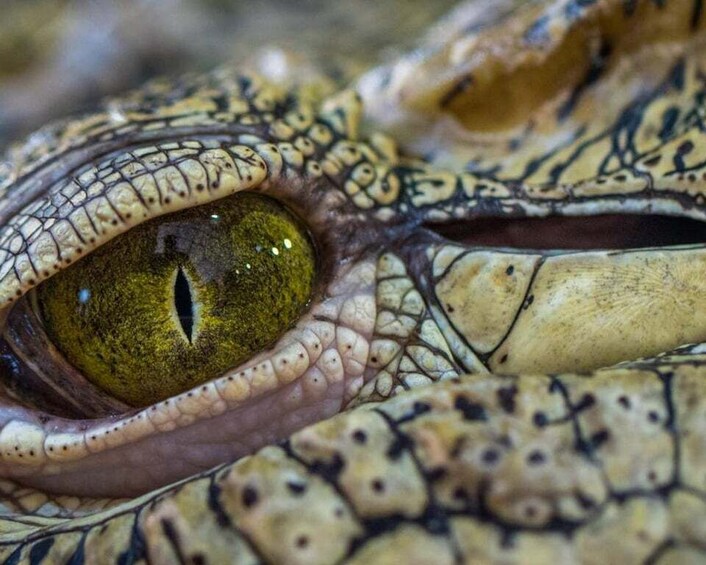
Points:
x=613 y=231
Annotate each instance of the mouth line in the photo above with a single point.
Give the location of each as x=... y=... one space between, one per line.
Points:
x=607 y=231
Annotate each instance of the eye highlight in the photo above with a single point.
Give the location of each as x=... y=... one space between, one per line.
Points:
x=181 y=299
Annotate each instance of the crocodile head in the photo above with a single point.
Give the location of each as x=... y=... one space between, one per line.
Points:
x=485 y=255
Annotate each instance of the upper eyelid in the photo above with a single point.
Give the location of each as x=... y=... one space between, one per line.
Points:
x=78 y=212
x=31 y=251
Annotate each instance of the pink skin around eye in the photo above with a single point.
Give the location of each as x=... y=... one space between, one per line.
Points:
x=312 y=371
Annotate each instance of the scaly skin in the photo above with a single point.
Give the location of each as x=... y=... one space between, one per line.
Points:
x=590 y=450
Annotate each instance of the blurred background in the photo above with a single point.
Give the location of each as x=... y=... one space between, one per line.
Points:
x=59 y=57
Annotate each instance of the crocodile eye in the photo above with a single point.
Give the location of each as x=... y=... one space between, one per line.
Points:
x=180 y=299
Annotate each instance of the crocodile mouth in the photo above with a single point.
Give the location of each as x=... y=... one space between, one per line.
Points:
x=609 y=231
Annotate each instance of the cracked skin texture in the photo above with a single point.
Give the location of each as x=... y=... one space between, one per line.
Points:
x=501 y=405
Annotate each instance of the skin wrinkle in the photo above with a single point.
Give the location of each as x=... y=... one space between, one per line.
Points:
x=477 y=466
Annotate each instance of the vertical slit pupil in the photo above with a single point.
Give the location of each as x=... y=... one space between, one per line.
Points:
x=184 y=303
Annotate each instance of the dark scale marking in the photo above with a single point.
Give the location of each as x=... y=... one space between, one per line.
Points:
x=79 y=555
x=581 y=444
x=14 y=557
x=214 y=504
x=40 y=550
x=136 y=549
x=456 y=90
x=587 y=401
x=677 y=78
x=221 y=102
x=506 y=397
x=684 y=149
x=599 y=438
x=461 y=495
x=472 y=411
x=434 y=519
x=656 y=556
x=437 y=474
x=329 y=470
x=377 y=485
x=398 y=447
x=508 y=539
x=671 y=423
x=597 y=65
x=584 y=501
x=669 y=120
x=490 y=456
x=172 y=536
x=418 y=408
x=249 y=497
x=296 y=488
x=536 y=457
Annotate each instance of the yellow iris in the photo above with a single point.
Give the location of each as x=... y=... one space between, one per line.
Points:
x=180 y=299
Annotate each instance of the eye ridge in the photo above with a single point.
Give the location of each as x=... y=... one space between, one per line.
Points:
x=184 y=303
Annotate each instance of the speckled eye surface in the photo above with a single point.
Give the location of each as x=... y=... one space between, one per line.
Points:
x=182 y=298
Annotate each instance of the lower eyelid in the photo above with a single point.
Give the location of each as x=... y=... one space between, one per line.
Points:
x=163 y=458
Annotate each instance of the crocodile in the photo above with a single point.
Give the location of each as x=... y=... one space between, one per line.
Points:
x=478 y=335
